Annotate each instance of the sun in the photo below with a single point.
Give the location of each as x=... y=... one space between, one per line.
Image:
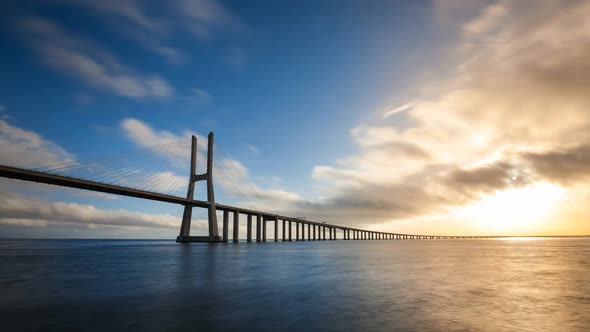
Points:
x=515 y=210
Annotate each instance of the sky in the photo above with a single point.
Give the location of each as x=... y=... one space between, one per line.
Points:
x=433 y=117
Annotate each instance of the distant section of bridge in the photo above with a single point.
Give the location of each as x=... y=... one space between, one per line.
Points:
x=292 y=228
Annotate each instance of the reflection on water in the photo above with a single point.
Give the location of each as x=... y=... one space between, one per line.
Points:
x=432 y=285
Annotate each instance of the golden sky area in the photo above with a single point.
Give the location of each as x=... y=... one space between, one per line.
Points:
x=500 y=146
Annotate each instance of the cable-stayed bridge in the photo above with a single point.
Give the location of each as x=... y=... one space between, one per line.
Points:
x=165 y=173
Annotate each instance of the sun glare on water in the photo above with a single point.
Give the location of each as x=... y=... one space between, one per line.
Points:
x=515 y=210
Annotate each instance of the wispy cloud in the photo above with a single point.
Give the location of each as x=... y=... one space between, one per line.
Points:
x=3 y=114
x=153 y=27
x=203 y=17
x=399 y=109
x=25 y=148
x=253 y=149
x=236 y=57
x=84 y=61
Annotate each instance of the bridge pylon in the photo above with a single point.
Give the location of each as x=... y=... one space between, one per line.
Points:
x=185 y=227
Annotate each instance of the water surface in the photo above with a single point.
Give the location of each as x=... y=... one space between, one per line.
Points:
x=412 y=285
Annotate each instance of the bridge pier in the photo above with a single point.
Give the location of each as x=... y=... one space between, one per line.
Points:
x=249 y=229
x=264 y=229
x=225 y=225
x=258 y=230
x=290 y=239
x=276 y=219
x=302 y=231
x=296 y=231
x=236 y=226
x=284 y=230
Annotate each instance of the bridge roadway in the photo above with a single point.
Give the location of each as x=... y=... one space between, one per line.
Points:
x=349 y=233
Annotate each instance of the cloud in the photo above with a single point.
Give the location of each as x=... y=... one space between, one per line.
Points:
x=84 y=61
x=515 y=113
x=197 y=98
x=489 y=20
x=143 y=135
x=253 y=149
x=131 y=18
x=24 y=148
x=565 y=166
x=399 y=109
x=236 y=57
x=152 y=27
x=203 y=17
x=130 y=11
x=15 y=207
x=3 y=114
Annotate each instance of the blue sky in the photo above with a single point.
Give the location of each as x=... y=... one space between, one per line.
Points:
x=393 y=102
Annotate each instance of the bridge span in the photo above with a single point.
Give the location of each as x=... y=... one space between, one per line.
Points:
x=304 y=230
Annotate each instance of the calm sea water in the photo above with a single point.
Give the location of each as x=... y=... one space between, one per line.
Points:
x=419 y=285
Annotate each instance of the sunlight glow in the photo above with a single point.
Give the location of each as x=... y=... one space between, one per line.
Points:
x=515 y=210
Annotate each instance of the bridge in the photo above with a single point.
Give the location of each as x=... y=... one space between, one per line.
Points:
x=77 y=175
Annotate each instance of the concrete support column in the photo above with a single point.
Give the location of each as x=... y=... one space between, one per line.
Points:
x=284 y=230
x=276 y=228
x=324 y=233
x=185 y=227
x=258 y=228
x=314 y=238
x=236 y=236
x=296 y=231
x=302 y=231
x=212 y=212
x=264 y=229
x=309 y=232
x=225 y=225
x=290 y=238
x=249 y=230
